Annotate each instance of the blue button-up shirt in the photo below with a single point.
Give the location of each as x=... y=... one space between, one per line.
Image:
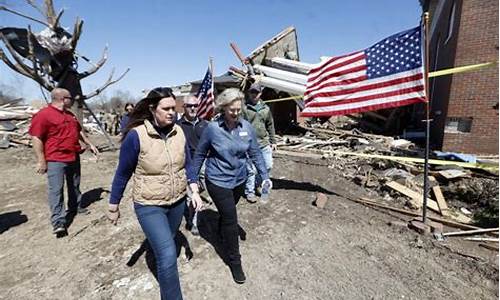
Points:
x=226 y=152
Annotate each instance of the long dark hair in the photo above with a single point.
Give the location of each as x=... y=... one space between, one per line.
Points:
x=142 y=111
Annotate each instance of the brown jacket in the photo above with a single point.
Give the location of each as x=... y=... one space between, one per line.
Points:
x=160 y=176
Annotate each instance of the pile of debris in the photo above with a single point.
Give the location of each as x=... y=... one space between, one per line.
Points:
x=393 y=169
x=14 y=124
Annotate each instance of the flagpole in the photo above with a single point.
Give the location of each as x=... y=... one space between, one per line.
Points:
x=427 y=121
x=211 y=64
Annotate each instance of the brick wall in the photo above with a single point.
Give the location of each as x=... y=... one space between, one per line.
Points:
x=474 y=94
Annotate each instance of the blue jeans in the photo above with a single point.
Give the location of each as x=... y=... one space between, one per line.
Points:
x=160 y=225
x=56 y=172
x=267 y=153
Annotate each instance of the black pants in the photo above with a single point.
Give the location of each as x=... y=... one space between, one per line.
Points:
x=225 y=200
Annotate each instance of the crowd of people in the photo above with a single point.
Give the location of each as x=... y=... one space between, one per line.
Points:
x=113 y=122
x=172 y=160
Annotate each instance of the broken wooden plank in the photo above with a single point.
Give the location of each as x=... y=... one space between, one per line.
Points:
x=413 y=195
x=452 y=174
x=443 y=207
x=489 y=246
x=467 y=232
x=414 y=214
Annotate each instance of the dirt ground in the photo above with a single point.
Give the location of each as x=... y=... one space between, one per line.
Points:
x=293 y=249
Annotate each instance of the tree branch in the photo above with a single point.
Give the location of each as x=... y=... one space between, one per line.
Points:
x=50 y=13
x=109 y=82
x=21 y=67
x=11 y=65
x=19 y=60
x=22 y=15
x=56 y=24
x=96 y=66
x=32 y=3
x=77 y=31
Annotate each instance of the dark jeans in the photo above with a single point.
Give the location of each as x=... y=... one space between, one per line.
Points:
x=160 y=225
x=56 y=172
x=225 y=200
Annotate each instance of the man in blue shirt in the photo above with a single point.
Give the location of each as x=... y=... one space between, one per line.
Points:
x=193 y=128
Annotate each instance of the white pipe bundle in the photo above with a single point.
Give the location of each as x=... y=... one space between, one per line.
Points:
x=282 y=85
x=292 y=65
x=282 y=75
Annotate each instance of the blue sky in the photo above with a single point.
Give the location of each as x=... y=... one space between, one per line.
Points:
x=168 y=43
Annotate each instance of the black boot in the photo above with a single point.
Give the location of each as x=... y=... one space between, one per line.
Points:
x=238 y=274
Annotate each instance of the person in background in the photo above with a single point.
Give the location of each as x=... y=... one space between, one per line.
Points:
x=155 y=151
x=115 y=122
x=259 y=115
x=56 y=135
x=129 y=107
x=225 y=145
x=193 y=128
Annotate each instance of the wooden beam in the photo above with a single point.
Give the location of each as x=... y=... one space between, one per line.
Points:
x=443 y=207
x=481 y=239
x=466 y=232
x=414 y=214
x=489 y=246
x=413 y=195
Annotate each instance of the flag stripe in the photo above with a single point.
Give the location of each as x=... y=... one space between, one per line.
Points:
x=337 y=74
x=346 y=79
x=329 y=61
x=398 y=91
x=366 y=85
x=371 y=102
x=313 y=76
x=329 y=113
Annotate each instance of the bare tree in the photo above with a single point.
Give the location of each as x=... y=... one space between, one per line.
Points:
x=50 y=57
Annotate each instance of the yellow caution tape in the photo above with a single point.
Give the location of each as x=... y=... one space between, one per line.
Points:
x=284 y=99
x=461 y=69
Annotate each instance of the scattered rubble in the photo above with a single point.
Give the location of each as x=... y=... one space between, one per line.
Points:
x=388 y=167
x=14 y=124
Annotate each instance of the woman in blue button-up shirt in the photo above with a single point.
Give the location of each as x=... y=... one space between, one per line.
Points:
x=226 y=144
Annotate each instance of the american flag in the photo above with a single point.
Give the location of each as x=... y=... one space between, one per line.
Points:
x=388 y=74
x=205 y=96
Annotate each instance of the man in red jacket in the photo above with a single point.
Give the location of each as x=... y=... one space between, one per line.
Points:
x=56 y=135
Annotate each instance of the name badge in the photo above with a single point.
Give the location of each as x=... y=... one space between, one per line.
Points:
x=243 y=133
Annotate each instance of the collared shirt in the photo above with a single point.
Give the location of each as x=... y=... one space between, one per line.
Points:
x=59 y=130
x=226 y=151
x=192 y=131
x=261 y=118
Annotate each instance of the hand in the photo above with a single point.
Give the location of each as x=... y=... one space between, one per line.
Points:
x=196 y=201
x=274 y=147
x=41 y=167
x=113 y=213
x=93 y=149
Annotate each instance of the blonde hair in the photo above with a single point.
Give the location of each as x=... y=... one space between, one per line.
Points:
x=227 y=97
